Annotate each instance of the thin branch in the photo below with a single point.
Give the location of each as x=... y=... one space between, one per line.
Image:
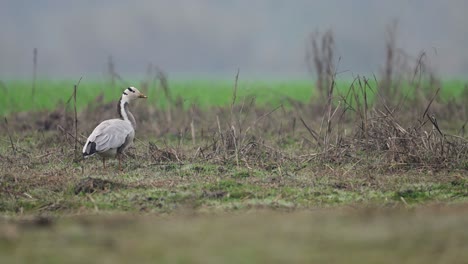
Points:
x=311 y=131
x=234 y=94
x=430 y=102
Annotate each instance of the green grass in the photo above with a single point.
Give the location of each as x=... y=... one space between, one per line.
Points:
x=203 y=93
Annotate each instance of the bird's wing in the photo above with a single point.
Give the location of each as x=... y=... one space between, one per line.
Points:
x=110 y=134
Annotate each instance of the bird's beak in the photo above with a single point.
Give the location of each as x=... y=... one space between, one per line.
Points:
x=142 y=96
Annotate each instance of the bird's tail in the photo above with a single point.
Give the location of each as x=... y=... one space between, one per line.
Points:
x=89 y=149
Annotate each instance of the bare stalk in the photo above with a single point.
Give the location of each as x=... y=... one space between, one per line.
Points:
x=233 y=128
x=192 y=127
x=311 y=131
x=9 y=136
x=329 y=111
x=76 y=117
x=319 y=57
x=234 y=96
x=33 y=89
x=162 y=77
x=111 y=70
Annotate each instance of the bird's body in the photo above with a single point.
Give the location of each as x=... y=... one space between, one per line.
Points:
x=112 y=137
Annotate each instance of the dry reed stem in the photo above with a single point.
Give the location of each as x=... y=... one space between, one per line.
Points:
x=9 y=136
x=75 y=87
x=33 y=88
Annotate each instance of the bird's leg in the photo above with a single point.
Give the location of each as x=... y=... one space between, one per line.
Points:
x=104 y=163
x=120 y=163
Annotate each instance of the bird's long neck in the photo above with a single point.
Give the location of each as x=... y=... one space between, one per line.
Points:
x=124 y=112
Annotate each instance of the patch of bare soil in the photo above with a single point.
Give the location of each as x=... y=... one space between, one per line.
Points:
x=93 y=185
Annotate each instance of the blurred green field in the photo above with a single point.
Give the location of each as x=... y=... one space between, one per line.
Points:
x=422 y=235
x=203 y=93
x=17 y=94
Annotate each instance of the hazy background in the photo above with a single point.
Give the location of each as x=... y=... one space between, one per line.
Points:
x=213 y=38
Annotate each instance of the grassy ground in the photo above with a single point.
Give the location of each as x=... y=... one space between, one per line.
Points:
x=245 y=184
x=53 y=184
x=202 y=93
x=55 y=210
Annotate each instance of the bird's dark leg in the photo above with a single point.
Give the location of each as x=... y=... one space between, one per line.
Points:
x=120 y=163
x=104 y=163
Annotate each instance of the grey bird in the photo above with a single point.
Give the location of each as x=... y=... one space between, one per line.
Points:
x=112 y=137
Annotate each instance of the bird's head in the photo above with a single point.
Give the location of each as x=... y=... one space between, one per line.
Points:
x=132 y=93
